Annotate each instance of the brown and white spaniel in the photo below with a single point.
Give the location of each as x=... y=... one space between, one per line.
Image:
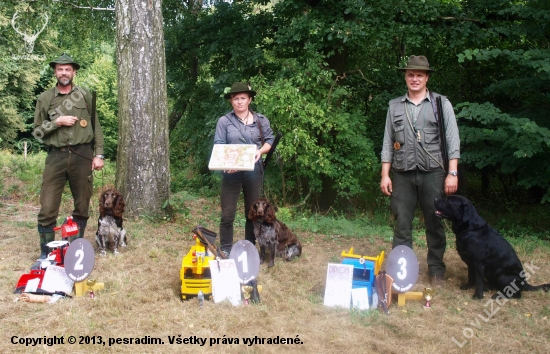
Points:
x=109 y=225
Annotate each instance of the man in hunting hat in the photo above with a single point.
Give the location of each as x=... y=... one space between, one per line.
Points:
x=62 y=121
x=411 y=152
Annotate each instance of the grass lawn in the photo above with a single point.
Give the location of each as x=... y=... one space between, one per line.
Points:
x=141 y=298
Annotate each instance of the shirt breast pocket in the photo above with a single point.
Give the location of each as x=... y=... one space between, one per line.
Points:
x=399 y=133
x=80 y=109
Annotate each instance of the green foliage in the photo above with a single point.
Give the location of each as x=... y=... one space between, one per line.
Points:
x=512 y=146
x=18 y=72
x=322 y=136
x=16 y=94
x=358 y=225
x=21 y=179
x=100 y=76
x=23 y=74
x=324 y=71
x=177 y=202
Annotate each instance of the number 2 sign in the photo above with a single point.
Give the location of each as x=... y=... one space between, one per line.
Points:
x=79 y=259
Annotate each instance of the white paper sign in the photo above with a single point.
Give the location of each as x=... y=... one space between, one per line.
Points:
x=360 y=298
x=56 y=279
x=32 y=285
x=238 y=157
x=338 y=286
x=225 y=281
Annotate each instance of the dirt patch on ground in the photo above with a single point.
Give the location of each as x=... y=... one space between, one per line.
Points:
x=141 y=300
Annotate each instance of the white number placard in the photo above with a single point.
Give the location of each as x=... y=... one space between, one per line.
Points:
x=338 y=285
x=55 y=279
x=225 y=281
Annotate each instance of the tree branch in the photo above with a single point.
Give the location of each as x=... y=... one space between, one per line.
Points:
x=459 y=19
x=344 y=76
x=85 y=7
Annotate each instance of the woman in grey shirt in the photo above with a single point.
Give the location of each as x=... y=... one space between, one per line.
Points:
x=241 y=126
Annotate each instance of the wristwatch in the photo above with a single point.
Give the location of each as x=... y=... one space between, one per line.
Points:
x=453 y=173
x=103 y=157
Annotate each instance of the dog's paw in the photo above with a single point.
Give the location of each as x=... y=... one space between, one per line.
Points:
x=116 y=252
x=123 y=238
x=466 y=286
x=477 y=296
x=292 y=252
x=271 y=264
x=102 y=253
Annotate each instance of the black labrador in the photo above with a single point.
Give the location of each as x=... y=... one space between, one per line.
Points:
x=486 y=253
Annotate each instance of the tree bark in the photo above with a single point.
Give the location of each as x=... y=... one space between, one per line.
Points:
x=143 y=167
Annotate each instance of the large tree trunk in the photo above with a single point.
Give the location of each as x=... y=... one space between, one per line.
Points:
x=143 y=170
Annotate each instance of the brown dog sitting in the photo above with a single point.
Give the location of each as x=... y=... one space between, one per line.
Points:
x=272 y=233
x=109 y=225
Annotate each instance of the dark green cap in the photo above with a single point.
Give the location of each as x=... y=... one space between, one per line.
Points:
x=239 y=87
x=417 y=62
x=65 y=59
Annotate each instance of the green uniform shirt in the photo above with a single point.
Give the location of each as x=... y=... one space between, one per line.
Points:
x=52 y=104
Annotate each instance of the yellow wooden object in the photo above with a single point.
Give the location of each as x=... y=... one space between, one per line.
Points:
x=409 y=295
x=377 y=260
x=80 y=287
x=195 y=271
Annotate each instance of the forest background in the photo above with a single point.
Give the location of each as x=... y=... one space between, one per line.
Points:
x=324 y=71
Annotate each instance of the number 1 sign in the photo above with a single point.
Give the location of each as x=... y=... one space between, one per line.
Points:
x=247 y=260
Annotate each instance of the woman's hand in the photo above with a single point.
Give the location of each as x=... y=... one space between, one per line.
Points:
x=264 y=150
x=258 y=155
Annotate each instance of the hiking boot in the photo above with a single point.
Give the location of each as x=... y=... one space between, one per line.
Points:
x=46 y=235
x=437 y=281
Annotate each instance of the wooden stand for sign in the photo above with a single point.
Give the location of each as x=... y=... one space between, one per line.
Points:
x=409 y=295
x=80 y=287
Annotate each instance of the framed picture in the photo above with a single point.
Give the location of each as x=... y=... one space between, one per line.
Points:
x=238 y=157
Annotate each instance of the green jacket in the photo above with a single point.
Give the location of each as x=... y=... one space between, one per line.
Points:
x=78 y=102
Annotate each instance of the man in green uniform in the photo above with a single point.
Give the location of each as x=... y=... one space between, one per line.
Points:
x=75 y=149
x=411 y=152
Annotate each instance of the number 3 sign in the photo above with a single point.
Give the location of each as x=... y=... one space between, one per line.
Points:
x=79 y=259
x=402 y=266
